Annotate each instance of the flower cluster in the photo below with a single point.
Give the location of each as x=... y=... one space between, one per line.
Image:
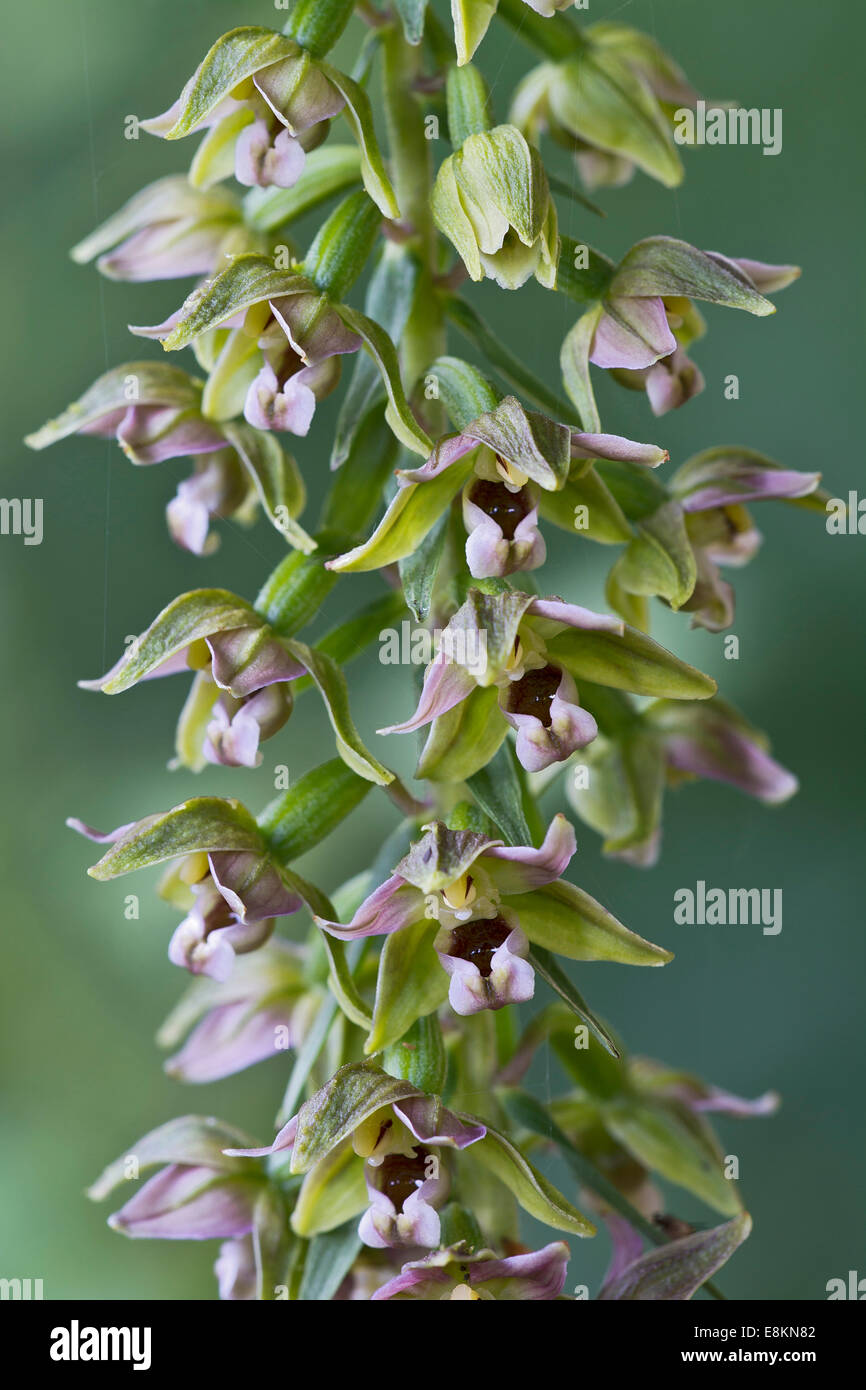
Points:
x=407 y=1147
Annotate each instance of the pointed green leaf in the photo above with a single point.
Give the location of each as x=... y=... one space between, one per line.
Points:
x=329 y=1260
x=550 y=971
x=605 y=520
x=535 y=1194
x=499 y=793
x=667 y=1146
x=471 y=19
x=418 y=571
x=412 y=13
x=632 y=662
x=562 y=918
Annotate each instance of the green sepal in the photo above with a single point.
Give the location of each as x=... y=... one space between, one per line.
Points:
x=168 y=199
x=360 y=117
x=683 y=1153
x=342 y=984
x=660 y=560
x=384 y=354
x=276 y=478
x=234 y=57
x=599 y=98
x=349 y=639
x=411 y=515
x=247 y=280
x=631 y=662
x=186 y=619
x=331 y=685
x=674 y=1272
x=564 y=919
x=388 y=302
x=465 y=391
x=465 y=739
x=190 y=1139
x=135 y=383
x=411 y=984
x=607 y=523
x=354 y=1093
x=333 y=1193
x=547 y=966
x=499 y=792
x=587 y=285
x=537 y=1196
x=663 y=265
x=204 y=823
x=574 y=363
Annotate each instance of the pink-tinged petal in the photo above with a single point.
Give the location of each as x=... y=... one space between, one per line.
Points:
x=626 y=1243
x=284 y=1140
x=728 y=756
x=570 y=615
x=569 y=728
x=517 y=869
x=711 y=1100
x=160 y=330
x=445 y=685
x=446 y=452
x=767 y=279
x=382 y=1227
x=671 y=383
x=394 y=904
x=538 y=1276
x=172 y=666
x=510 y=978
x=151 y=433
x=415 y=1281
x=252 y=886
x=246 y=659
x=614 y=446
x=166 y=251
x=235 y=1270
x=261 y=162
x=100 y=837
x=431 y=1123
x=233 y=740
x=289 y=408
x=185 y=1203
x=751 y=485
x=632 y=333
x=230 y=1038
x=314 y=334
x=489 y=553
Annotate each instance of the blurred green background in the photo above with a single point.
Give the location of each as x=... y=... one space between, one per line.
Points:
x=84 y=989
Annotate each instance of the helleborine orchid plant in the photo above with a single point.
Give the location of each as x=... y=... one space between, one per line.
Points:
x=413 y=997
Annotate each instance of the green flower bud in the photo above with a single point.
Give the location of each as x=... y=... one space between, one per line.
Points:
x=491 y=199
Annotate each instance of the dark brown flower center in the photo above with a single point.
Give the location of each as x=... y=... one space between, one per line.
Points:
x=533 y=693
x=504 y=507
x=476 y=942
x=401 y=1174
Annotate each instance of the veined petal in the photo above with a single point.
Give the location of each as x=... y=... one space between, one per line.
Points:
x=445 y=685
x=519 y=868
x=632 y=332
x=394 y=904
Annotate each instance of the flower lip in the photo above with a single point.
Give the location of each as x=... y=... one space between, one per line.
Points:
x=501 y=503
x=533 y=694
